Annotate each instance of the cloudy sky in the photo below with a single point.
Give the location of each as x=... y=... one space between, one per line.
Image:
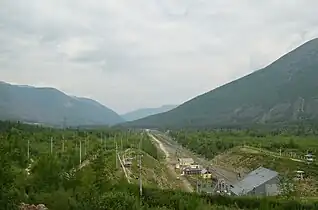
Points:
x=129 y=54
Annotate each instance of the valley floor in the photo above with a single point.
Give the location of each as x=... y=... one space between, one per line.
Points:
x=171 y=161
x=173 y=151
x=234 y=164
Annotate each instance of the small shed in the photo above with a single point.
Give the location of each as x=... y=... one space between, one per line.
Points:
x=261 y=181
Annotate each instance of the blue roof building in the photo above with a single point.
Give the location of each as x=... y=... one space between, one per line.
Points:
x=260 y=182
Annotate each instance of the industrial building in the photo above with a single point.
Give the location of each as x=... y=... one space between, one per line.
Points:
x=191 y=171
x=260 y=182
x=185 y=162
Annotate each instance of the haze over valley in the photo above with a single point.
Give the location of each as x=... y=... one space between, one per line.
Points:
x=143 y=54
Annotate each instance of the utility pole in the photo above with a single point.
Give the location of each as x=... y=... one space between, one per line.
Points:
x=105 y=143
x=88 y=143
x=28 y=149
x=80 y=152
x=63 y=143
x=116 y=155
x=140 y=181
x=63 y=140
x=51 y=145
x=85 y=142
x=121 y=142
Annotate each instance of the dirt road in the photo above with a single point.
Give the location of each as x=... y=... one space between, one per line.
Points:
x=123 y=167
x=170 y=163
x=172 y=146
x=273 y=154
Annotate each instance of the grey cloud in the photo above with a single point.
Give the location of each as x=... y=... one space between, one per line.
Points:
x=132 y=54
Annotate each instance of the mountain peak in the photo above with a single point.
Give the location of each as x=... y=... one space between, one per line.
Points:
x=284 y=91
x=50 y=106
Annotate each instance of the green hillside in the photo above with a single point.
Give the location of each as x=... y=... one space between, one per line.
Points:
x=50 y=106
x=284 y=91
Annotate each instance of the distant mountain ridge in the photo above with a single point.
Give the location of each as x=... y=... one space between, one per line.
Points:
x=145 y=112
x=285 y=91
x=52 y=107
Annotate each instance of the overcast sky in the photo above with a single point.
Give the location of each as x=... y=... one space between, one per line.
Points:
x=129 y=54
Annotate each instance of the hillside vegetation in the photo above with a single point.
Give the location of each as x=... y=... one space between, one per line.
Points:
x=58 y=180
x=51 y=107
x=284 y=91
x=242 y=151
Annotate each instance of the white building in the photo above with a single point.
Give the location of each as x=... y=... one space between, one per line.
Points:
x=185 y=161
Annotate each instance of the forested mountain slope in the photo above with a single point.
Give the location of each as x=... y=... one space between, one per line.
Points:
x=284 y=91
x=52 y=107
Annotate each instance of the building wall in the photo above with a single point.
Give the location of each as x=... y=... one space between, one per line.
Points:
x=184 y=162
x=195 y=166
x=207 y=176
x=269 y=188
x=190 y=172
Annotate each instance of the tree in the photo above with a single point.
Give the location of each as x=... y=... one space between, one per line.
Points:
x=8 y=192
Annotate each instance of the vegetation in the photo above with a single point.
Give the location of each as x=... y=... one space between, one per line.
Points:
x=284 y=91
x=246 y=150
x=214 y=142
x=56 y=180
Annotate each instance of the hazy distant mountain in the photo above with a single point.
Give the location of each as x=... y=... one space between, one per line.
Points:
x=283 y=92
x=141 y=113
x=51 y=106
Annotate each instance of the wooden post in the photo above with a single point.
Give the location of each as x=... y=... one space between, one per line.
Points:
x=28 y=150
x=80 y=153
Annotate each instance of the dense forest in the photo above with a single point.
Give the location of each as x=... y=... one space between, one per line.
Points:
x=42 y=165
